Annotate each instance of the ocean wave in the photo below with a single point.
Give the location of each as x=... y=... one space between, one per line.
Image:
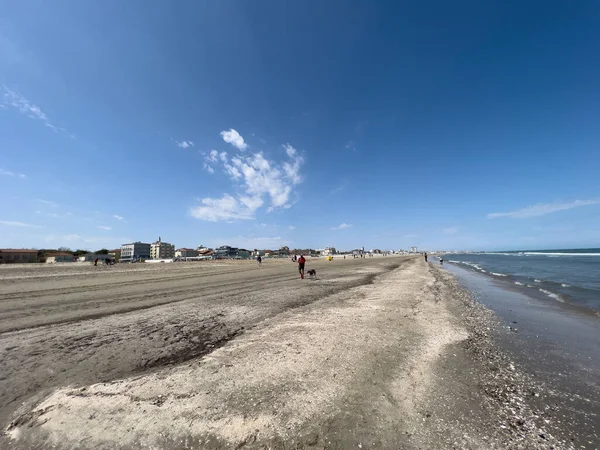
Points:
x=455 y=262
x=483 y=271
x=530 y=286
x=561 y=254
x=565 y=285
x=537 y=281
x=518 y=283
x=551 y=294
x=499 y=274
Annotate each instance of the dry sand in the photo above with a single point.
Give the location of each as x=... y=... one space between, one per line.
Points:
x=378 y=353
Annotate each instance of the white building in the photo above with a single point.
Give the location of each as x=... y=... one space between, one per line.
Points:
x=186 y=253
x=134 y=252
x=162 y=250
x=59 y=257
x=329 y=251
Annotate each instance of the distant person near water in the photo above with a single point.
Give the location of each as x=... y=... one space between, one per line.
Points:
x=425 y=257
x=301 y=262
x=259 y=259
x=441 y=261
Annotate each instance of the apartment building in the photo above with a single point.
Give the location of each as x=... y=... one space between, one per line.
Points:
x=162 y=250
x=134 y=252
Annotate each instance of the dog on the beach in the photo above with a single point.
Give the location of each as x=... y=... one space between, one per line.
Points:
x=312 y=273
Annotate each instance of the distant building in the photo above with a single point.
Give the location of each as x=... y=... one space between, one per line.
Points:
x=162 y=250
x=186 y=253
x=227 y=252
x=17 y=256
x=90 y=257
x=413 y=249
x=135 y=251
x=59 y=257
x=329 y=251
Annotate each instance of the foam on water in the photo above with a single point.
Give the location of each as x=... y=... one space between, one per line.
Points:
x=498 y=274
x=565 y=285
x=518 y=283
x=561 y=254
x=551 y=294
x=537 y=281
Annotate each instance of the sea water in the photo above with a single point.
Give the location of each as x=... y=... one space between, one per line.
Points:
x=571 y=275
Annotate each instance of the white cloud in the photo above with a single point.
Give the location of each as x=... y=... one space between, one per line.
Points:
x=209 y=168
x=292 y=227
x=257 y=180
x=410 y=236
x=234 y=138
x=342 y=226
x=184 y=144
x=450 y=230
x=292 y=170
x=12 y=174
x=116 y=216
x=224 y=208
x=542 y=209
x=103 y=227
x=10 y=223
x=24 y=106
x=49 y=203
x=213 y=156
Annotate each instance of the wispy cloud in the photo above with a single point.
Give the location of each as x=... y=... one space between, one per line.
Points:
x=541 y=209
x=10 y=223
x=116 y=216
x=342 y=226
x=258 y=181
x=234 y=138
x=24 y=106
x=12 y=174
x=450 y=230
x=56 y=215
x=351 y=145
x=410 y=236
x=338 y=189
x=104 y=227
x=184 y=144
x=292 y=227
x=209 y=168
x=48 y=202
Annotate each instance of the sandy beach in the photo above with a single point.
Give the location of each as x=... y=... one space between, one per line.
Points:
x=383 y=352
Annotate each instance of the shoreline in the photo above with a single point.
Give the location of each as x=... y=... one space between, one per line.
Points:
x=392 y=353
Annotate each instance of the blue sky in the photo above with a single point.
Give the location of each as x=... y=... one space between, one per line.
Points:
x=457 y=125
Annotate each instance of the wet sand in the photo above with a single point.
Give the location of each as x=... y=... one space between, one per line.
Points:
x=557 y=343
x=380 y=353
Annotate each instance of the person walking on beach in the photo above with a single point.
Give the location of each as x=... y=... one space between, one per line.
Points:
x=301 y=262
x=259 y=259
x=425 y=257
x=96 y=261
x=441 y=260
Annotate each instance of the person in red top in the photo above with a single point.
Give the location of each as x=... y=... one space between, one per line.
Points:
x=301 y=262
